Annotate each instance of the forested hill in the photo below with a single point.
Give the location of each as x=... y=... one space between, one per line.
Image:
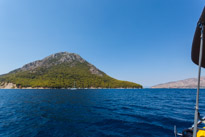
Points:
x=62 y=70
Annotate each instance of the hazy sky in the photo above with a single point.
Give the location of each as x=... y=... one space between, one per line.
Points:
x=144 y=41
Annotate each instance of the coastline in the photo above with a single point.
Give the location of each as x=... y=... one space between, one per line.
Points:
x=14 y=86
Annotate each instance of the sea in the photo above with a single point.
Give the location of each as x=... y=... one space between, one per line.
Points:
x=97 y=112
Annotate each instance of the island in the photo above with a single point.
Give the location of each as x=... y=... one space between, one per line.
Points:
x=190 y=83
x=61 y=70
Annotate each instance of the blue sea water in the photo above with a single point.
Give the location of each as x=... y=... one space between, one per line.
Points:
x=97 y=112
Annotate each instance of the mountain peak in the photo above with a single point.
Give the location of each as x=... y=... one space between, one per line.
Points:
x=64 y=55
x=54 y=59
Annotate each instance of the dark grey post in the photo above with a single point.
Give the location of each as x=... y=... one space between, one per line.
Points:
x=198 y=87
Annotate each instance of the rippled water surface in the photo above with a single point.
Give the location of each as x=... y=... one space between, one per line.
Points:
x=105 y=112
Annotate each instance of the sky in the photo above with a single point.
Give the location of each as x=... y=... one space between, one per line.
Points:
x=143 y=41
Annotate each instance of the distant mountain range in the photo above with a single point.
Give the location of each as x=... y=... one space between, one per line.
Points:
x=187 y=83
x=61 y=70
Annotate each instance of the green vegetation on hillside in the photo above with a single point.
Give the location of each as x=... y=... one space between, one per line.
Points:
x=63 y=76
